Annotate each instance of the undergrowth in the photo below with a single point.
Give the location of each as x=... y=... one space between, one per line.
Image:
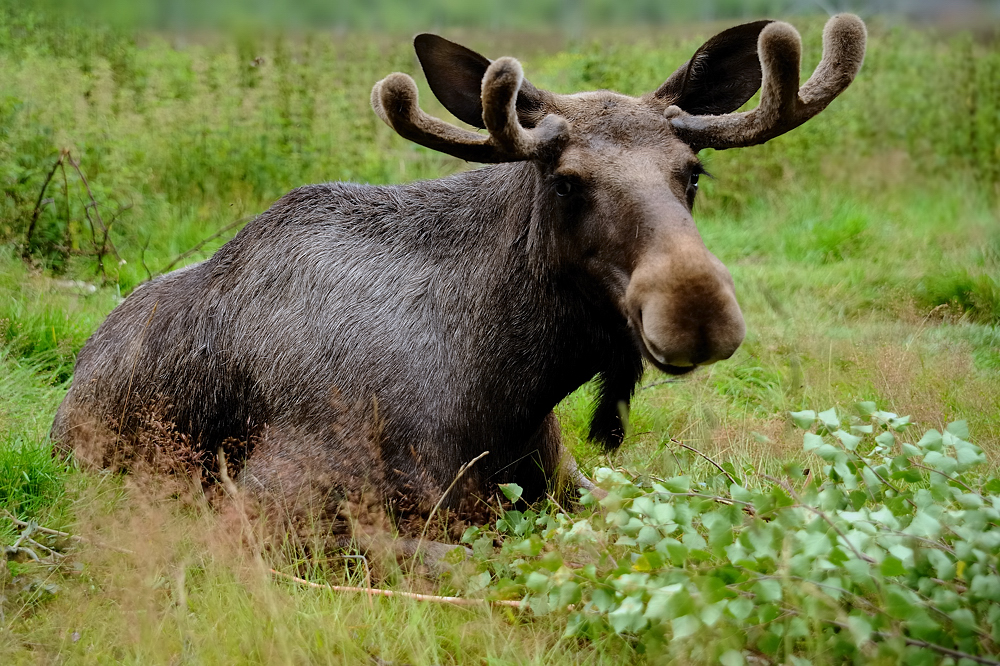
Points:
x=884 y=550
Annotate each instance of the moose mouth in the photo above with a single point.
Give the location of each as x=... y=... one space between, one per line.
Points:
x=651 y=356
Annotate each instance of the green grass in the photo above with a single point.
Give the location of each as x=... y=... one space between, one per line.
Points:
x=864 y=246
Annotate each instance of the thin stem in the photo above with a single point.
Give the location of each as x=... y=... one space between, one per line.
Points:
x=38 y=204
x=376 y=591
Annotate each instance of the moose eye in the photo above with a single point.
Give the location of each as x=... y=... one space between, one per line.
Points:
x=563 y=188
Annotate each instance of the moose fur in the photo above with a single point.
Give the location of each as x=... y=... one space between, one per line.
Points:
x=357 y=336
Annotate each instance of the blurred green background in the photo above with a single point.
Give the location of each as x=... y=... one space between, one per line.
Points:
x=569 y=15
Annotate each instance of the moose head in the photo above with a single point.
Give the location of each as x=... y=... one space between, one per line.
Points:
x=618 y=175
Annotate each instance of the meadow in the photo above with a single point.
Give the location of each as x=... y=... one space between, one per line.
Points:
x=865 y=246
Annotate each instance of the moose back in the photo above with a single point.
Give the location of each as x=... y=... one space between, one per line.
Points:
x=379 y=337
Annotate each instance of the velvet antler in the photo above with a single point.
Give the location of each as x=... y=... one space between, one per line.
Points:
x=783 y=105
x=394 y=99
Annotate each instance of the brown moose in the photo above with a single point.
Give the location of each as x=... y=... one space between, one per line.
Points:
x=357 y=336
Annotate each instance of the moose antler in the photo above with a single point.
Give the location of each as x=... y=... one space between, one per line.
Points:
x=783 y=105
x=394 y=99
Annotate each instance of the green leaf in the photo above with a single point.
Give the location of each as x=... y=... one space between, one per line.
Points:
x=924 y=525
x=663 y=514
x=910 y=475
x=959 y=429
x=931 y=441
x=768 y=590
x=830 y=453
x=648 y=536
x=643 y=505
x=829 y=419
x=804 y=419
x=860 y=627
x=602 y=599
x=886 y=439
x=537 y=582
x=511 y=491
x=892 y=566
x=648 y=561
x=944 y=566
x=849 y=441
x=732 y=658
x=711 y=613
x=740 y=494
x=811 y=441
x=628 y=616
x=985 y=587
x=866 y=408
x=685 y=626
x=740 y=608
x=678 y=484
x=902 y=604
x=940 y=462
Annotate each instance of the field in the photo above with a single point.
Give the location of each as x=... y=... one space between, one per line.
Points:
x=865 y=247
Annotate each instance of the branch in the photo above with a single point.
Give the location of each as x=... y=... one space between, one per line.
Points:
x=717 y=465
x=65 y=535
x=41 y=196
x=376 y=591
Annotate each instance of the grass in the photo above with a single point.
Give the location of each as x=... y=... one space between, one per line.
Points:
x=864 y=245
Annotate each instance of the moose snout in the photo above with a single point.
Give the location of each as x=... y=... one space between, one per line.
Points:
x=684 y=310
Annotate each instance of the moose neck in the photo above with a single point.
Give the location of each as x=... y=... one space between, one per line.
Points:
x=527 y=328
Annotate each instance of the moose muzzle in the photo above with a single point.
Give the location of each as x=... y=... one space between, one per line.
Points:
x=682 y=305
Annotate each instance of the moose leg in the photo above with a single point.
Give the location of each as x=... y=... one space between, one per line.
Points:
x=561 y=476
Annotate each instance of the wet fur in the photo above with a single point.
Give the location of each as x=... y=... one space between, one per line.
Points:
x=427 y=320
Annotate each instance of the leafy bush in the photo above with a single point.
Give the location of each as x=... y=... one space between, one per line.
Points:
x=885 y=551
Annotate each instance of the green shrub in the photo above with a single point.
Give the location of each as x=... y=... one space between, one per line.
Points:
x=884 y=551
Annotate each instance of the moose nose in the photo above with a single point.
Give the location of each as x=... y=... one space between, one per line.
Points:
x=685 y=311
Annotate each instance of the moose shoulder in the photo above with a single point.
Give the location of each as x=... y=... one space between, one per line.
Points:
x=380 y=337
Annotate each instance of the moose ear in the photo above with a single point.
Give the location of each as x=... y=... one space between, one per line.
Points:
x=455 y=74
x=720 y=77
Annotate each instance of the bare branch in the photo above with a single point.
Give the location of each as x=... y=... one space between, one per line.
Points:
x=376 y=591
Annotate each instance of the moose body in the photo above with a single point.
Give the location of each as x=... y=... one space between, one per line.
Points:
x=382 y=336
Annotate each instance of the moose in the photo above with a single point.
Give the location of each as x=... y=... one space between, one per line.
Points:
x=383 y=337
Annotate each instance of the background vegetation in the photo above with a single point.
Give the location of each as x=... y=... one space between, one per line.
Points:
x=865 y=246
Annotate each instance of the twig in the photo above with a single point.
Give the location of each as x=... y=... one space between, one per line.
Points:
x=556 y=502
x=142 y=259
x=185 y=255
x=64 y=535
x=376 y=591
x=39 y=528
x=41 y=195
x=97 y=214
x=48 y=550
x=916 y=642
x=717 y=465
x=721 y=500
x=950 y=478
x=461 y=472
x=826 y=518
